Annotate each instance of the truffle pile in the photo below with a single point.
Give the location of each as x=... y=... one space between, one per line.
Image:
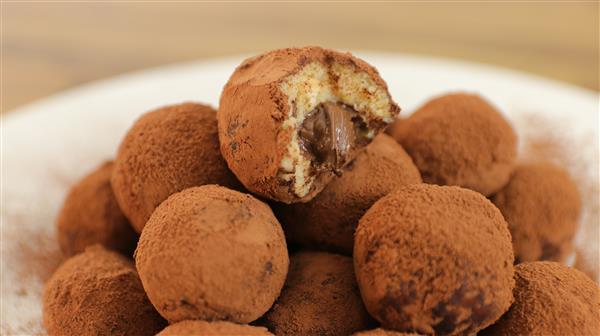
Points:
x=288 y=211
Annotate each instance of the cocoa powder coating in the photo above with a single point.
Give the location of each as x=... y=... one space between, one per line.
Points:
x=460 y=139
x=91 y=215
x=212 y=253
x=382 y=332
x=550 y=299
x=320 y=297
x=98 y=292
x=253 y=109
x=434 y=260
x=328 y=221
x=542 y=206
x=166 y=151
x=216 y=328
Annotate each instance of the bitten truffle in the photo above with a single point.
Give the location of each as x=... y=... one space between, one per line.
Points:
x=328 y=221
x=98 y=292
x=216 y=328
x=91 y=215
x=211 y=253
x=460 y=139
x=382 y=332
x=433 y=259
x=166 y=151
x=320 y=297
x=550 y=299
x=290 y=119
x=542 y=206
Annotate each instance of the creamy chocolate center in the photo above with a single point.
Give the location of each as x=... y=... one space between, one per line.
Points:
x=331 y=134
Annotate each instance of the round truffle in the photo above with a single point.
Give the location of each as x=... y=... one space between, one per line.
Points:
x=91 y=215
x=166 y=151
x=542 y=206
x=211 y=253
x=460 y=139
x=328 y=221
x=550 y=299
x=291 y=119
x=382 y=332
x=98 y=292
x=216 y=328
x=320 y=297
x=434 y=260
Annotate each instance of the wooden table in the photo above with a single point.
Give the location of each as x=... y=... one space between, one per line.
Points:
x=48 y=47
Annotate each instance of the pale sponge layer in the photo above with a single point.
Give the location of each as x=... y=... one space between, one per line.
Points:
x=317 y=83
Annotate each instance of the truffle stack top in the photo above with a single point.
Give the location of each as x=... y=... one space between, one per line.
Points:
x=291 y=118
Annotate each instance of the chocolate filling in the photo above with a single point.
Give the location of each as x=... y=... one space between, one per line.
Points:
x=331 y=135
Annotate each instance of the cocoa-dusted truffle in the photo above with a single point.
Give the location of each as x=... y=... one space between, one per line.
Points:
x=216 y=328
x=320 y=297
x=542 y=206
x=98 y=292
x=328 y=221
x=460 y=139
x=211 y=253
x=290 y=119
x=433 y=259
x=91 y=215
x=166 y=151
x=550 y=299
x=382 y=332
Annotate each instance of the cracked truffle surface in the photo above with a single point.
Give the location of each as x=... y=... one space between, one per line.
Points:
x=212 y=253
x=433 y=259
x=216 y=328
x=290 y=119
x=542 y=206
x=91 y=215
x=550 y=299
x=460 y=139
x=320 y=297
x=328 y=221
x=166 y=151
x=98 y=292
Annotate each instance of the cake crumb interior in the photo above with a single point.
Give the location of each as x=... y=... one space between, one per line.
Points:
x=330 y=110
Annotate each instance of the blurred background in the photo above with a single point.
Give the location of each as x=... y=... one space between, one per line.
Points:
x=48 y=47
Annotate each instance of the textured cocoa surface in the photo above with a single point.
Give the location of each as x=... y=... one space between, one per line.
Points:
x=216 y=328
x=98 y=292
x=328 y=221
x=550 y=299
x=320 y=297
x=433 y=259
x=166 y=151
x=212 y=253
x=460 y=139
x=91 y=215
x=542 y=206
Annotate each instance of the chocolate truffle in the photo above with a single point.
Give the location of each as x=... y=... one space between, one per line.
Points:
x=166 y=151
x=320 y=297
x=541 y=205
x=211 y=253
x=98 y=292
x=434 y=260
x=91 y=215
x=460 y=139
x=290 y=119
x=328 y=220
x=216 y=328
x=382 y=332
x=550 y=299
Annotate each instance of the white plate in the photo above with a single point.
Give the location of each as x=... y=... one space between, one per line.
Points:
x=47 y=145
